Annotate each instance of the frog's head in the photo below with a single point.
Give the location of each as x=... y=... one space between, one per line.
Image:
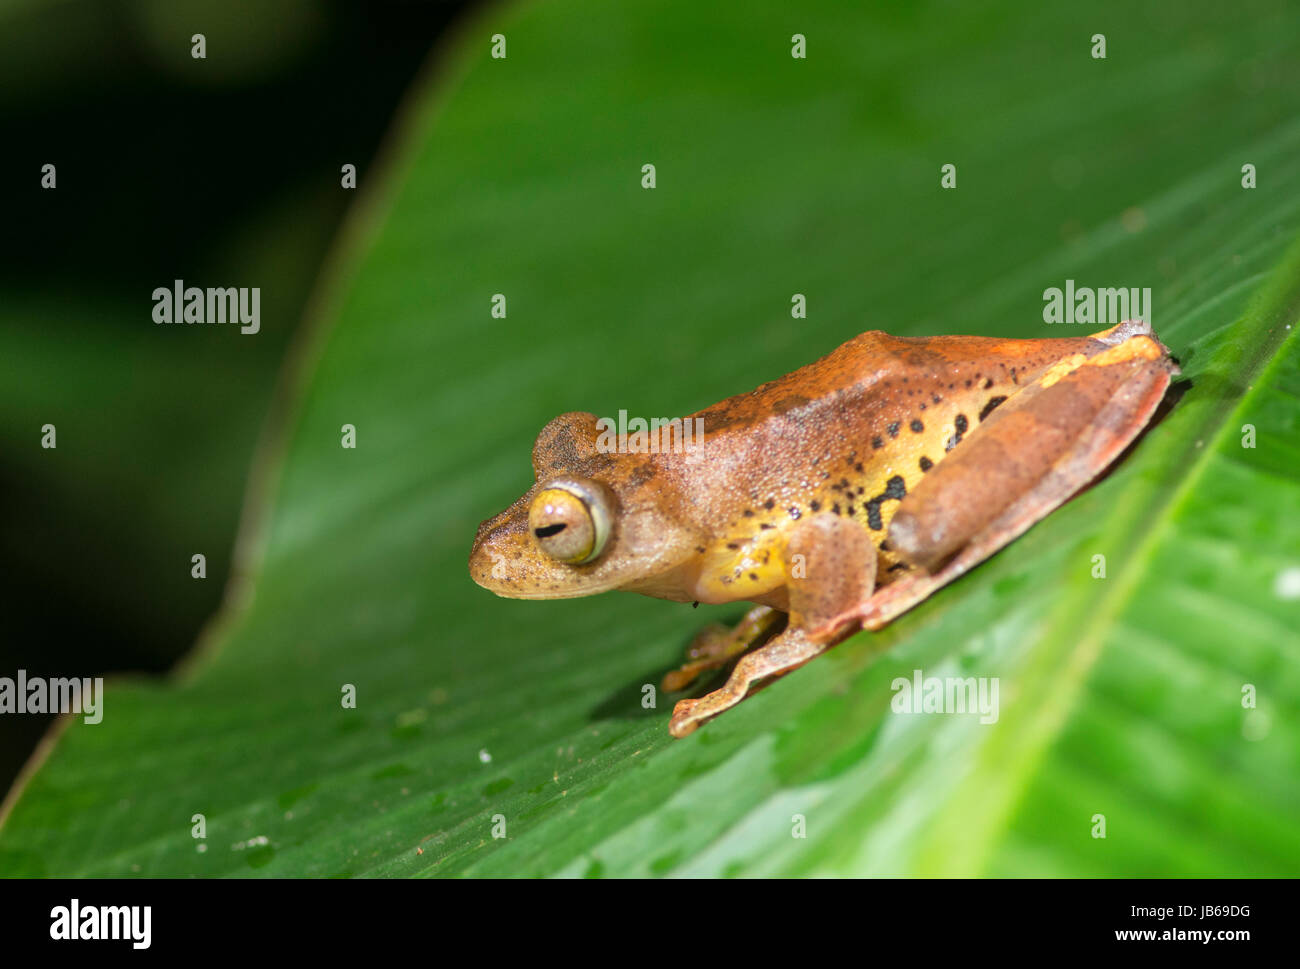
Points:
x=592 y=521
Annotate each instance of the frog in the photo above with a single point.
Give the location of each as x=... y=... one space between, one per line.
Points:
x=830 y=500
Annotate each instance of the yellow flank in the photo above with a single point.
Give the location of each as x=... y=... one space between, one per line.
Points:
x=743 y=567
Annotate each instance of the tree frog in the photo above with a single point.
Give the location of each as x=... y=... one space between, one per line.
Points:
x=833 y=498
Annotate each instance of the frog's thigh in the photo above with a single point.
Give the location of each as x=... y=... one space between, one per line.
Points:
x=1017 y=468
x=787 y=651
x=830 y=569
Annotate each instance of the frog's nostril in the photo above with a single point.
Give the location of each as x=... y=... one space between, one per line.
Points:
x=549 y=530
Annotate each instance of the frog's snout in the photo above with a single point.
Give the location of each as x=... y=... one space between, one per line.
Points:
x=505 y=560
x=491 y=555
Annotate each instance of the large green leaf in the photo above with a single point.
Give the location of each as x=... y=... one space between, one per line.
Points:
x=1120 y=696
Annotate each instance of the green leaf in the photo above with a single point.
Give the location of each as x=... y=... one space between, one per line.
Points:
x=1120 y=697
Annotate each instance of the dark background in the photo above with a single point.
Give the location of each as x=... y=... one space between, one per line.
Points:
x=222 y=172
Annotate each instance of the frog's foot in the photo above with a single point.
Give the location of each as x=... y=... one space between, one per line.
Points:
x=989 y=492
x=716 y=645
x=786 y=652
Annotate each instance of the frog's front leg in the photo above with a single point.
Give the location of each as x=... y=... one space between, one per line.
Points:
x=716 y=645
x=787 y=651
x=830 y=566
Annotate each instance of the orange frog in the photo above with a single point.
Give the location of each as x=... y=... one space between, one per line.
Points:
x=834 y=498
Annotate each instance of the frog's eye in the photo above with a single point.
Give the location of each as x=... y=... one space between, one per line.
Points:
x=569 y=520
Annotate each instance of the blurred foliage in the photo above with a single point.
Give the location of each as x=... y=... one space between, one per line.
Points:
x=1120 y=697
x=222 y=171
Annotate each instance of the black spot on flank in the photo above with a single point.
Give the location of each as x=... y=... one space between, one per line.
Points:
x=923 y=407
x=699 y=550
x=988 y=383
x=968 y=383
x=852 y=511
x=753 y=576
x=844 y=482
x=991 y=406
x=893 y=429
x=547 y=531
x=815 y=505
x=896 y=489
x=766 y=525
x=884 y=545
x=795 y=512
x=916 y=426
x=926 y=464
x=858 y=467
x=769 y=504
x=961 y=425
x=749 y=512
x=935 y=398
x=733 y=545
x=877 y=443
x=836 y=508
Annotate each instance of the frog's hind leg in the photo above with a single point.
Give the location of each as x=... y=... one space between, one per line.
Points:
x=716 y=645
x=1031 y=456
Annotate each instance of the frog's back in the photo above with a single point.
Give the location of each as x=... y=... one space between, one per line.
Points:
x=882 y=366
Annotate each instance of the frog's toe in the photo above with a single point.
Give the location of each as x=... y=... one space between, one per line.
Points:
x=680 y=679
x=682 y=722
